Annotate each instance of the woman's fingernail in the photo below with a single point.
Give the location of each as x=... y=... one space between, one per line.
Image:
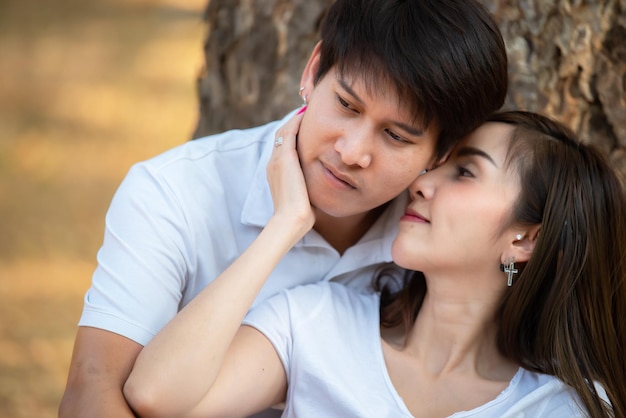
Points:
x=301 y=111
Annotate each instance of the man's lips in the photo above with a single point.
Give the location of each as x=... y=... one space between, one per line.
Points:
x=414 y=216
x=339 y=177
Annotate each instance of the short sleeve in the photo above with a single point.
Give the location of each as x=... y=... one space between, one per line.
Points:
x=142 y=261
x=280 y=317
x=273 y=319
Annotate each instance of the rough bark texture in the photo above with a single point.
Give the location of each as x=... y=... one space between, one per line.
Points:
x=567 y=58
x=255 y=52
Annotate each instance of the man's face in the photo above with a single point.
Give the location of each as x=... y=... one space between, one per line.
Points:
x=359 y=148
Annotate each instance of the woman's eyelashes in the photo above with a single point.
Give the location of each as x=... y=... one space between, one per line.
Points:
x=462 y=171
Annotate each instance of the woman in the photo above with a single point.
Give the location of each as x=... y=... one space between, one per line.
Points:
x=518 y=306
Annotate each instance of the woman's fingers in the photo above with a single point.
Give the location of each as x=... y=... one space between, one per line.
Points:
x=287 y=134
x=284 y=174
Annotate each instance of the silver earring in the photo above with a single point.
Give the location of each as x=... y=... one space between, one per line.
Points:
x=518 y=236
x=303 y=96
x=509 y=270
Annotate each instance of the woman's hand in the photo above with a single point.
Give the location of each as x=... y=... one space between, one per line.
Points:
x=284 y=174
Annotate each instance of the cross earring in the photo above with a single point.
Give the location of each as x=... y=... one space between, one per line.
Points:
x=509 y=270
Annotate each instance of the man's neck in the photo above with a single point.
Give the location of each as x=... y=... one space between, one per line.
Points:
x=343 y=233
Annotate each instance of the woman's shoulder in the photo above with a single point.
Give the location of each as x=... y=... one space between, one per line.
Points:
x=324 y=302
x=542 y=395
x=331 y=293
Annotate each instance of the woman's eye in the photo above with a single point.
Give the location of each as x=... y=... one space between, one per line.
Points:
x=464 y=172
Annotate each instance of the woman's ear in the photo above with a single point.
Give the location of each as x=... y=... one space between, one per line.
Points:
x=523 y=243
x=307 y=81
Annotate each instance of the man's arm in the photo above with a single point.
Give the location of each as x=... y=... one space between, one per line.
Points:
x=101 y=362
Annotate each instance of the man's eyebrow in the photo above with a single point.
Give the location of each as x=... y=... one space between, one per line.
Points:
x=349 y=89
x=411 y=130
x=467 y=151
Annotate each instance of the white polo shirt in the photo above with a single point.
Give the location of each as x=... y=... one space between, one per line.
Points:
x=178 y=220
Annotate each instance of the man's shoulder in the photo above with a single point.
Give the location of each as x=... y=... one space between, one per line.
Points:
x=221 y=161
x=219 y=147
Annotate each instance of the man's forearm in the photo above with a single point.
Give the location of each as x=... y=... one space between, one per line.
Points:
x=101 y=362
x=94 y=403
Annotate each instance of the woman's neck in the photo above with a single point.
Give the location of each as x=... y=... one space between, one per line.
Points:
x=449 y=360
x=455 y=330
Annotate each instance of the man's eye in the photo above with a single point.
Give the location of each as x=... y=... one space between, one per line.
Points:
x=394 y=136
x=343 y=103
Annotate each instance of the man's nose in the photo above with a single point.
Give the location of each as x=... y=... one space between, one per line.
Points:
x=356 y=148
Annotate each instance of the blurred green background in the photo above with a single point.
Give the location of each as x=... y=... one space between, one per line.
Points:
x=86 y=89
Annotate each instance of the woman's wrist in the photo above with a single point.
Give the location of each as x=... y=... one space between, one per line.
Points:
x=289 y=230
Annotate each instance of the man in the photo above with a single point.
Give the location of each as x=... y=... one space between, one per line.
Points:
x=389 y=89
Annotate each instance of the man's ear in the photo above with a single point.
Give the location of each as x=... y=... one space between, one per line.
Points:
x=523 y=243
x=310 y=70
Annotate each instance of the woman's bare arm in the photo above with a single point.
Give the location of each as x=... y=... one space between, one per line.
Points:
x=196 y=355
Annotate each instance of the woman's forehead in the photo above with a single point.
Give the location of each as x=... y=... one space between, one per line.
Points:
x=491 y=137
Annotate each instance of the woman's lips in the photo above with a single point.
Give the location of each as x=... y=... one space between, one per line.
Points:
x=413 y=216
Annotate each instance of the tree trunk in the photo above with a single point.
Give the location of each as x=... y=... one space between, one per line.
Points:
x=567 y=59
x=255 y=52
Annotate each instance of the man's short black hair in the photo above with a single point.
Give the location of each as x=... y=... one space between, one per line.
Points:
x=446 y=58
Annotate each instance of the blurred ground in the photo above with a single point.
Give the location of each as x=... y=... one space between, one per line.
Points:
x=86 y=89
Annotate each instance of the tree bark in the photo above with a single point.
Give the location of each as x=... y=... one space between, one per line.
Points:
x=255 y=52
x=567 y=59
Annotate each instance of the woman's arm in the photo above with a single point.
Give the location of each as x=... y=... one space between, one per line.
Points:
x=181 y=366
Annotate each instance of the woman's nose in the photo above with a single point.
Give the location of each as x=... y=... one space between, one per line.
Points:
x=422 y=186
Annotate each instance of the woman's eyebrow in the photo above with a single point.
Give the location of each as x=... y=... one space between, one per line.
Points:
x=467 y=151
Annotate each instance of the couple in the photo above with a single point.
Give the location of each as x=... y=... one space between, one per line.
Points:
x=390 y=89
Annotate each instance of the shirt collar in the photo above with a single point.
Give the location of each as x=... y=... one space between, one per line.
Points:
x=259 y=206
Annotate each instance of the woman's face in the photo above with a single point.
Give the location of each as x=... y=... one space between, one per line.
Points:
x=458 y=212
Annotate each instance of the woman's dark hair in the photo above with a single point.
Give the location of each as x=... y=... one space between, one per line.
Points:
x=446 y=58
x=565 y=314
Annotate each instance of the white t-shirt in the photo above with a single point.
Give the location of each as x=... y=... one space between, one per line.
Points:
x=178 y=220
x=328 y=339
